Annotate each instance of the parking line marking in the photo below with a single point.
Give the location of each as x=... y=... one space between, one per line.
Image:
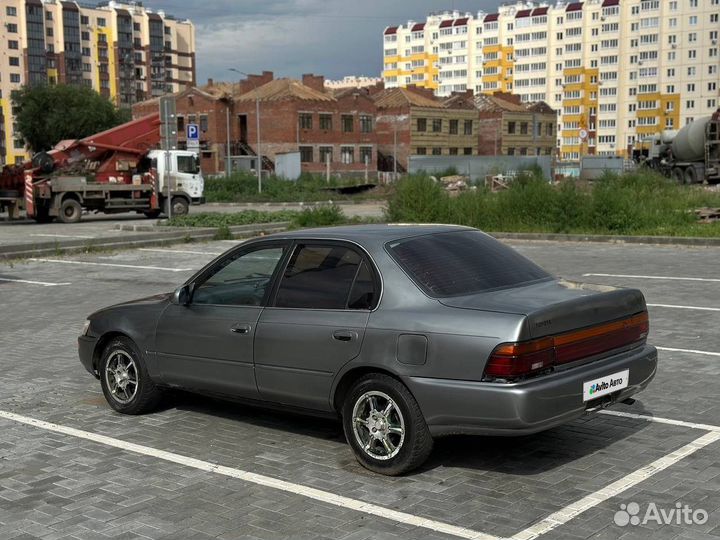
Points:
x=28 y=282
x=697 y=308
x=616 y=488
x=112 y=264
x=660 y=420
x=691 y=351
x=672 y=278
x=259 y=479
x=214 y=254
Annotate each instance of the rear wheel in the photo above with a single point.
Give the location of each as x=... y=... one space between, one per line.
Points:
x=180 y=206
x=678 y=175
x=152 y=214
x=384 y=425
x=124 y=378
x=690 y=175
x=70 y=211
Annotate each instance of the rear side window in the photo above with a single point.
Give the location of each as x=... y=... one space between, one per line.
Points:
x=326 y=277
x=458 y=263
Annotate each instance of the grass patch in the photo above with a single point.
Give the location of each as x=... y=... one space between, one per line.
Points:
x=637 y=203
x=322 y=216
x=243 y=187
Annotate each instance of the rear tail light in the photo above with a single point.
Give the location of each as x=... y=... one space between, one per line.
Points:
x=514 y=360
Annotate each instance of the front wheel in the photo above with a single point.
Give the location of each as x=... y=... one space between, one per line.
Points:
x=124 y=378
x=180 y=206
x=384 y=426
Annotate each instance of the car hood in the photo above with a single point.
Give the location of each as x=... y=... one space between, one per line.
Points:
x=556 y=306
x=154 y=300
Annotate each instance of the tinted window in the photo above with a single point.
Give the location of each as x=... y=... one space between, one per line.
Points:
x=457 y=263
x=363 y=294
x=319 y=277
x=240 y=281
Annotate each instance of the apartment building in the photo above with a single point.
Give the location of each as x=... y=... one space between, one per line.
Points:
x=125 y=51
x=616 y=71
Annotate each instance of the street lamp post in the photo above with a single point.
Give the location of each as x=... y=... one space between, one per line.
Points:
x=257 y=127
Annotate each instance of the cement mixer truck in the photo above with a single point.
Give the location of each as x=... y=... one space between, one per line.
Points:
x=689 y=156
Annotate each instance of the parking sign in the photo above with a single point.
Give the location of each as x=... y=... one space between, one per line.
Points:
x=192 y=132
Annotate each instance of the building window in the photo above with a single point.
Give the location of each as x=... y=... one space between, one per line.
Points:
x=421 y=151
x=523 y=128
x=468 y=128
x=86 y=51
x=203 y=123
x=11 y=11
x=306 y=154
x=84 y=19
x=13 y=45
x=366 y=123
x=326 y=154
x=511 y=128
x=511 y=151
x=11 y=28
x=436 y=126
x=326 y=122
x=101 y=22
x=467 y=151
x=453 y=151
x=305 y=120
x=454 y=125
x=347 y=124
x=347 y=153
x=437 y=151
x=48 y=16
x=181 y=124
x=14 y=60
x=14 y=77
x=366 y=154
x=422 y=124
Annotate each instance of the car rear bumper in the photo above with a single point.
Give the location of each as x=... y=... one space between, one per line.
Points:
x=86 y=350
x=481 y=408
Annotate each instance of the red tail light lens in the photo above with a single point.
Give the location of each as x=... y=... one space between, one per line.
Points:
x=513 y=360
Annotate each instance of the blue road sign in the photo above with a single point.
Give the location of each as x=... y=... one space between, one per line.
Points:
x=193 y=132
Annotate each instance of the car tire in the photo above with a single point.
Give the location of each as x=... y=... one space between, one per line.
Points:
x=120 y=364
x=400 y=441
x=70 y=211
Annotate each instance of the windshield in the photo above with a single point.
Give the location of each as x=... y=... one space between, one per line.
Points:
x=462 y=262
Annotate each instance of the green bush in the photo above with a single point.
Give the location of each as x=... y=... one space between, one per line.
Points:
x=323 y=216
x=634 y=203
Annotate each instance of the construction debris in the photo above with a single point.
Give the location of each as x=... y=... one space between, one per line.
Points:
x=708 y=215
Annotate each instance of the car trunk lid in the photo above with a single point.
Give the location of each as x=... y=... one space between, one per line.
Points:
x=556 y=306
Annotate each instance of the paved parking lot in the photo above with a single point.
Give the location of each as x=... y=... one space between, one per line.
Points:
x=201 y=468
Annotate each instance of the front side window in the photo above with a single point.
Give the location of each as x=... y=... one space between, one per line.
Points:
x=326 y=277
x=241 y=280
x=188 y=164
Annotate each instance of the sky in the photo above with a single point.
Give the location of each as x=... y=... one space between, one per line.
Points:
x=291 y=37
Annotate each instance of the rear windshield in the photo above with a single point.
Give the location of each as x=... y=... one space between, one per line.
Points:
x=459 y=263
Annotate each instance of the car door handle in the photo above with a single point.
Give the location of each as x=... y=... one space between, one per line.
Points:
x=241 y=329
x=345 y=335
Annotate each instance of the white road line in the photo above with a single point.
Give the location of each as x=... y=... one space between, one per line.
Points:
x=28 y=282
x=214 y=254
x=671 y=278
x=690 y=351
x=63 y=235
x=612 y=490
x=659 y=420
x=113 y=264
x=259 y=479
x=697 y=308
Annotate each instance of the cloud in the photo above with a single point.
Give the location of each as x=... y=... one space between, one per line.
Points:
x=291 y=37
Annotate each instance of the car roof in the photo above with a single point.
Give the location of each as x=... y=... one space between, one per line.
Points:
x=370 y=235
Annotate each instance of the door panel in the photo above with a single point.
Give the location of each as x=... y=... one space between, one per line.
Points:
x=198 y=347
x=298 y=352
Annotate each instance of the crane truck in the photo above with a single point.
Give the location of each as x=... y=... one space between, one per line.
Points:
x=118 y=170
x=689 y=156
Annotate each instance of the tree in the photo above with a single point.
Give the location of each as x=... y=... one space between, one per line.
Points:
x=49 y=114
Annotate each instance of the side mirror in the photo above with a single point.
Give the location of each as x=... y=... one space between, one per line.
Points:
x=182 y=295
